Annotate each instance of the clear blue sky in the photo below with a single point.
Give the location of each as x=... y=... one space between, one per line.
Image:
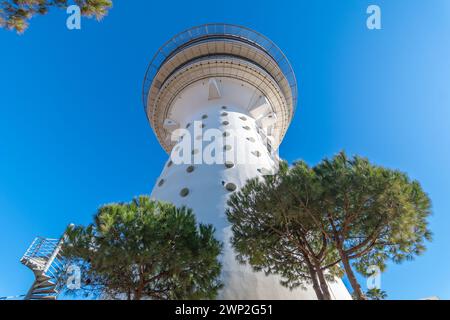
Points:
x=73 y=133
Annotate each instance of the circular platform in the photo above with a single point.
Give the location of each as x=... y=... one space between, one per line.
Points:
x=218 y=50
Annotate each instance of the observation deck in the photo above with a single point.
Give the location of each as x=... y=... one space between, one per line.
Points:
x=215 y=51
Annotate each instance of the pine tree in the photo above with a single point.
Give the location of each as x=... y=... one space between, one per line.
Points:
x=371 y=214
x=15 y=14
x=342 y=211
x=145 y=250
x=272 y=236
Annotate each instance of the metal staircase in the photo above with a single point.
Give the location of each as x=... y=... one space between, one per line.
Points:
x=44 y=259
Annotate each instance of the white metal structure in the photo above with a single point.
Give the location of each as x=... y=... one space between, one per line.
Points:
x=44 y=259
x=225 y=79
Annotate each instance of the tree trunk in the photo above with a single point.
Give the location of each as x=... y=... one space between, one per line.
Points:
x=315 y=283
x=323 y=284
x=137 y=295
x=139 y=290
x=351 y=276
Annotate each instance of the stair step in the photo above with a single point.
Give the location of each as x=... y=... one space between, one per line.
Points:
x=44 y=284
x=37 y=297
x=42 y=277
x=46 y=290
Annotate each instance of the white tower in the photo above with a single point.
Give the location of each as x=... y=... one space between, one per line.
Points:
x=234 y=85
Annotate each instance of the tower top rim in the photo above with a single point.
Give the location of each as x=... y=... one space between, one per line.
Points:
x=217 y=31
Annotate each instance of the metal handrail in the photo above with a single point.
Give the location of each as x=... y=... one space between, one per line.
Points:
x=44 y=258
x=45 y=254
x=219 y=29
x=40 y=247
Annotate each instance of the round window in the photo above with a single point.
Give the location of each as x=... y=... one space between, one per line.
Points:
x=190 y=169
x=230 y=187
x=184 y=192
x=229 y=164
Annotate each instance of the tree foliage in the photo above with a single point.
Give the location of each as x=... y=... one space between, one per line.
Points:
x=145 y=250
x=15 y=14
x=369 y=212
x=343 y=210
x=272 y=236
x=376 y=294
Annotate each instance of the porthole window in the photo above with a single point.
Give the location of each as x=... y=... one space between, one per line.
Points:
x=224 y=107
x=169 y=164
x=184 y=192
x=161 y=182
x=246 y=127
x=190 y=169
x=243 y=118
x=225 y=123
x=226 y=134
x=204 y=116
x=251 y=139
x=229 y=164
x=230 y=187
x=224 y=114
x=227 y=147
x=257 y=153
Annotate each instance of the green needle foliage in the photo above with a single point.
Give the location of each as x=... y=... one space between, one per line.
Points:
x=376 y=294
x=370 y=213
x=272 y=235
x=15 y=14
x=145 y=250
x=343 y=211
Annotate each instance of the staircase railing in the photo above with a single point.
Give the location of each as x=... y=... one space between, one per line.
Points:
x=44 y=258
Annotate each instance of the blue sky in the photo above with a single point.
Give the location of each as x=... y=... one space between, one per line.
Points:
x=74 y=136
